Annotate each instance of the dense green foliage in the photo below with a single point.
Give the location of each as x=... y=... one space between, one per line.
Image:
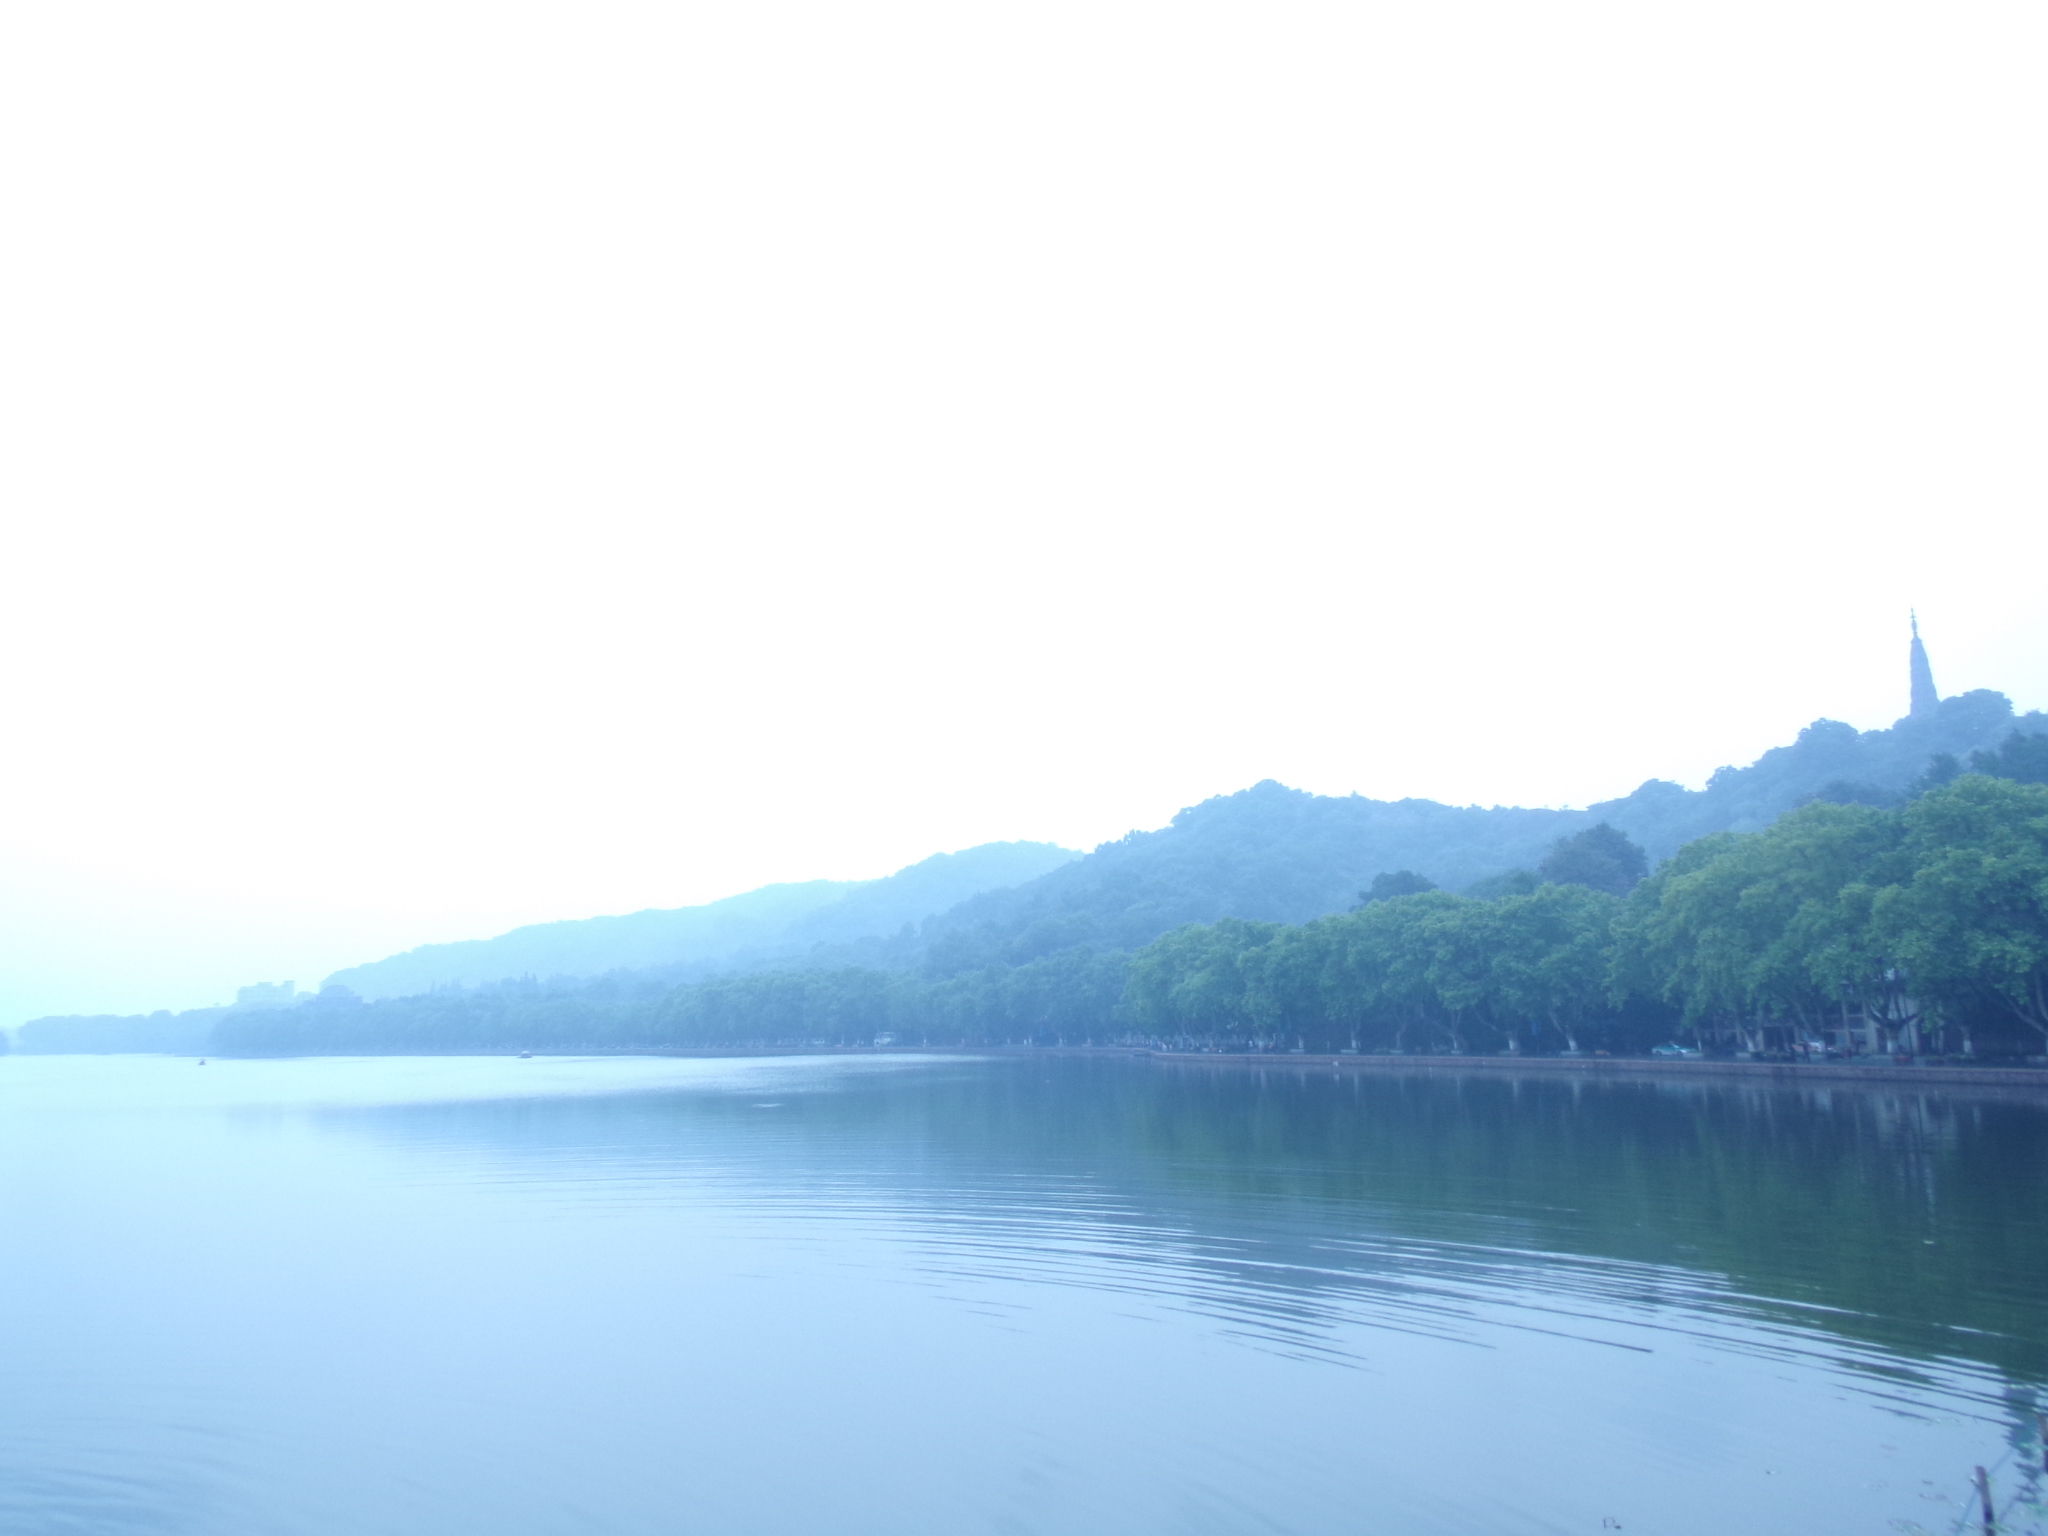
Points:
x=2021 y=757
x=1829 y=761
x=1932 y=915
x=1920 y=928
x=1278 y=855
x=1268 y=854
x=1917 y=928
x=1427 y=972
x=1599 y=858
x=1244 y=920
x=1395 y=882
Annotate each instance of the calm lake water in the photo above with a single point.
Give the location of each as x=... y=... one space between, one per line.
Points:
x=947 y=1296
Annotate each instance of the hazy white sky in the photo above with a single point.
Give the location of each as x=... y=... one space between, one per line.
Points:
x=469 y=465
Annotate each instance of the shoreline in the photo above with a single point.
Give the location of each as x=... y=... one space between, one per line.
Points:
x=1841 y=1073
x=1888 y=1073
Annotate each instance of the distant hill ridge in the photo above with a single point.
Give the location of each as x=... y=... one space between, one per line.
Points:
x=776 y=923
x=1274 y=854
x=1829 y=761
x=1267 y=853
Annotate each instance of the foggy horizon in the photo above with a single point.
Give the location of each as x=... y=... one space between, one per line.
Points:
x=553 y=519
x=631 y=464
x=224 y=991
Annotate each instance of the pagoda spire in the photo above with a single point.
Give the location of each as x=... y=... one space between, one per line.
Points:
x=1924 y=696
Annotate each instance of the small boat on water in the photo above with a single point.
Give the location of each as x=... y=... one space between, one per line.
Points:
x=526 y=1055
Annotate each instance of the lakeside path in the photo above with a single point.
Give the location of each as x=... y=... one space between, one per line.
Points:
x=2034 y=1078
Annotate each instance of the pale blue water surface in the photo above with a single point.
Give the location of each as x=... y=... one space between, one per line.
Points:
x=945 y=1296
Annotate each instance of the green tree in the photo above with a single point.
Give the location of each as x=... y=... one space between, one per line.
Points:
x=1969 y=922
x=1600 y=858
x=1192 y=982
x=1513 y=882
x=1382 y=965
x=1747 y=933
x=1460 y=939
x=2021 y=757
x=1942 y=768
x=1391 y=883
x=1553 y=951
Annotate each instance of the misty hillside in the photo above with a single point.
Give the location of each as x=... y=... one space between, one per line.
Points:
x=1829 y=761
x=1275 y=854
x=115 y=1034
x=777 y=923
x=1026 y=910
x=1268 y=852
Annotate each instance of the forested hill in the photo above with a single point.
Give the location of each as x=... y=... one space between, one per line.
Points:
x=1274 y=854
x=778 y=923
x=1046 y=933
x=1269 y=853
x=1765 y=941
x=1830 y=761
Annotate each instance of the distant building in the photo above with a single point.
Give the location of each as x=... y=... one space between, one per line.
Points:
x=267 y=994
x=1924 y=696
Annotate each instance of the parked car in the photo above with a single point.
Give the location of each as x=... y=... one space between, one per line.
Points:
x=1681 y=1052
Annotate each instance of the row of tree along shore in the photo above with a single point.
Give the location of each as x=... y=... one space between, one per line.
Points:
x=1920 y=929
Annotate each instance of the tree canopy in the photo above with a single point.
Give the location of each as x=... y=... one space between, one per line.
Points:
x=1599 y=858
